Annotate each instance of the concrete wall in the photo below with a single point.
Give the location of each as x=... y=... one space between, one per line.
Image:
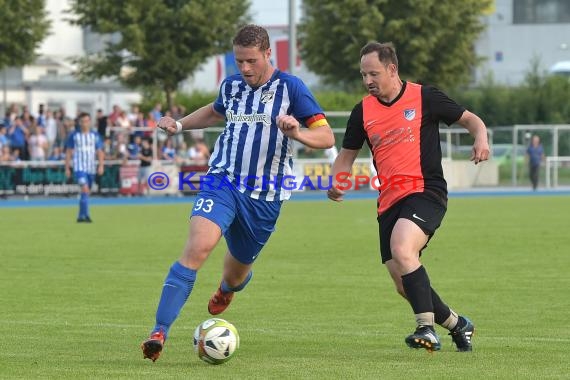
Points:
x=461 y=174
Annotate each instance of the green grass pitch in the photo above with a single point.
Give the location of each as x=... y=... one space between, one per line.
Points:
x=77 y=299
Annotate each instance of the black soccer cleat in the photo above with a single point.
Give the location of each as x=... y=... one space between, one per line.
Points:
x=462 y=336
x=424 y=337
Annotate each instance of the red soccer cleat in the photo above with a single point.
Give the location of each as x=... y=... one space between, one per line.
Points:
x=219 y=301
x=153 y=346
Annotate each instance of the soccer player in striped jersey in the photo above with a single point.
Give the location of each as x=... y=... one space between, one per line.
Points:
x=263 y=109
x=84 y=148
x=399 y=120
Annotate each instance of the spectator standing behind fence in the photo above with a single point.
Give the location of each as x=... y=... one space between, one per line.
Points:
x=199 y=152
x=134 y=148
x=168 y=150
x=120 y=146
x=122 y=121
x=133 y=115
x=101 y=123
x=108 y=149
x=51 y=130
x=145 y=155
x=114 y=115
x=11 y=113
x=18 y=133
x=41 y=119
x=84 y=147
x=5 y=154
x=4 y=141
x=157 y=111
x=38 y=145
x=182 y=153
x=56 y=154
x=535 y=155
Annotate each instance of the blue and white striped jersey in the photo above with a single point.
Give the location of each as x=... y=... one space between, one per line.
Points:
x=252 y=149
x=85 y=146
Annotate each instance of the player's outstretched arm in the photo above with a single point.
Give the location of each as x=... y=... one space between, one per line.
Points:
x=318 y=138
x=478 y=130
x=201 y=118
x=342 y=167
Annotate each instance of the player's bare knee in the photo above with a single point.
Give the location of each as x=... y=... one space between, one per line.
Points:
x=195 y=255
x=401 y=254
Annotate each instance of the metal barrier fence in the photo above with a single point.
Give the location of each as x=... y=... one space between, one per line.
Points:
x=553 y=168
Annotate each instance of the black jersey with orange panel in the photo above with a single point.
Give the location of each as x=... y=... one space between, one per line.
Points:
x=403 y=136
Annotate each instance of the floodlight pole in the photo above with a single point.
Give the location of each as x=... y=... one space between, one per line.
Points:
x=292 y=37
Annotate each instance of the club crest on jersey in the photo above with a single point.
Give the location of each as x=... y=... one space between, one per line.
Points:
x=267 y=96
x=410 y=114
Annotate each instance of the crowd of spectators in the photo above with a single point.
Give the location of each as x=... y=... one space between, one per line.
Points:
x=25 y=136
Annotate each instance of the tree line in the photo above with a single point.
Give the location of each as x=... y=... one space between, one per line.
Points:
x=159 y=43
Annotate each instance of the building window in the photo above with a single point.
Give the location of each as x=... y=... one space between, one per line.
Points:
x=541 y=11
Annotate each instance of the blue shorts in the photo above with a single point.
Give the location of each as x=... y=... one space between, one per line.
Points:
x=246 y=223
x=83 y=178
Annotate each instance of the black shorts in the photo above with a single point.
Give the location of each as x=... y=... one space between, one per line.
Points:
x=424 y=209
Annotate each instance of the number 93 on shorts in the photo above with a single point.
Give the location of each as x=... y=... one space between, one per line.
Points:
x=246 y=223
x=205 y=205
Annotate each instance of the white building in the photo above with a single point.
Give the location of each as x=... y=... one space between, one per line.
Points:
x=49 y=80
x=519 y=31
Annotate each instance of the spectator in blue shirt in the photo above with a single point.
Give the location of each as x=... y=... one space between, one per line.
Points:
x=4 y=141
x=134 y=148
x=157 y=111
x=168 y=151
x=535 y=155
x=56 y=154
x=17 y=135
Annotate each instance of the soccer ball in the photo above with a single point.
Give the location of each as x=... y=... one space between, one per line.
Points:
x=215 y=340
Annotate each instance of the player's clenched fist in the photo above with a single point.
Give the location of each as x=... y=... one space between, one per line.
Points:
x=335 y=194
x=168 y=125
x=288 y=125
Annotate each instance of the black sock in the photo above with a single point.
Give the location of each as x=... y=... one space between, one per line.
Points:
x=418 y=292
x=444 y=316
x=441 y=310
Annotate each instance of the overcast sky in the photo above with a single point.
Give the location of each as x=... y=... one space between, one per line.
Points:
x=273 y=12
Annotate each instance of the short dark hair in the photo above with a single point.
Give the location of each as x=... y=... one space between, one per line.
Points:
x=252 y=36
x=386 y=52
x=82 y=115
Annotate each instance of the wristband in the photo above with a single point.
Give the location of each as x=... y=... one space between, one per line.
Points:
x=178 y=127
